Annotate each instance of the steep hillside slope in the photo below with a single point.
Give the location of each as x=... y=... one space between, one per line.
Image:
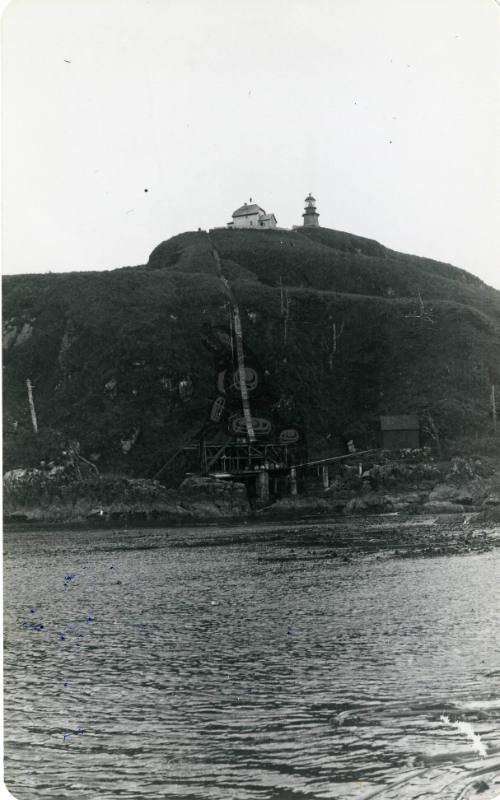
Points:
x=345 y=330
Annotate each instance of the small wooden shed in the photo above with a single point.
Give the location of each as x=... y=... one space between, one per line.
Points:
x=400 y=432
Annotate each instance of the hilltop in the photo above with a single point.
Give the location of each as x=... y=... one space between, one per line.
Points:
x=344 y=329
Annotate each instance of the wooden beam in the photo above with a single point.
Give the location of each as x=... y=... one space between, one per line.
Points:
x=216 y=456
x=336 y=458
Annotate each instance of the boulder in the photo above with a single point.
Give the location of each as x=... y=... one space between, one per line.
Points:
x=400 y=507
x=414 y=497
x=355 y=506
x=492 y=499
x=403 y=498
x=391 y=499
x=443 y=491
x=210 y=497
x=464 y=497
x=20 y=477
x=473 y=493
x=197 y=484
x=443 y=507
x=377 y=502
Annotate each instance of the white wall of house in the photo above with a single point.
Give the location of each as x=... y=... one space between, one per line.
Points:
x=252 y=216
x=267 y=221
x=248 y=221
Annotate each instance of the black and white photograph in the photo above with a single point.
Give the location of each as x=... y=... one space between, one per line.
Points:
x=251 y=399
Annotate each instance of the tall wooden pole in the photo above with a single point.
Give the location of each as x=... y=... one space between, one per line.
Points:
x=242 y=374
x=493 y=407
x=31 y=402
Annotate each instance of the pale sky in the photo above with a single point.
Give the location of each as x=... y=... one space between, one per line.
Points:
x=387 y=111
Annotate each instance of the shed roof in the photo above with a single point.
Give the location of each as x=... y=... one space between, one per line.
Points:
x=248 y=209
x=265 y=217
x=400 y=422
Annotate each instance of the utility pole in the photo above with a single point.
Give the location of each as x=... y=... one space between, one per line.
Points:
x=32 y=405
x=286 y=315
x=493 y=408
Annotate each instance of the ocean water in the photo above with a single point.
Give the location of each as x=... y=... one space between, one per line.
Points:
x=239 y=665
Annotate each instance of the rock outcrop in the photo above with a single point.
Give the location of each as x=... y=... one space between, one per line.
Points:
x=39 y=496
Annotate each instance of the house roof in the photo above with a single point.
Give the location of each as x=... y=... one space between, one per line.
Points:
x=401 y=422
x=243 y=211
x=265 y=217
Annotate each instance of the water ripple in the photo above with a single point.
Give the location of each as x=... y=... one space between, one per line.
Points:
x=238 y=672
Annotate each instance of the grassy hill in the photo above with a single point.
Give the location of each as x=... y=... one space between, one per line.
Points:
x=366 y=331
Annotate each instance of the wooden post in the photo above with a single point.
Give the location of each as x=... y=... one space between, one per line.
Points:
x=493 y=407
x=263 y=485
x=293 y=481
x=325 y=476
x=32 y=405
x=200 y=454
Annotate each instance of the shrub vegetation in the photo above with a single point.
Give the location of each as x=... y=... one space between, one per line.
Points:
x=346 y=330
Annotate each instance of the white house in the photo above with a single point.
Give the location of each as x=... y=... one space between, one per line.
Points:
x=252 y=216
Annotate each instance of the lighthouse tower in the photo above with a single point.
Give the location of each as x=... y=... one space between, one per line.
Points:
x=310 y=214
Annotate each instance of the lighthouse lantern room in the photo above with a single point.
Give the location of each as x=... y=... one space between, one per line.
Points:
x=310 y=215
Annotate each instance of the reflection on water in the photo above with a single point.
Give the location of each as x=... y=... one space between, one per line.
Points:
x=169 y=671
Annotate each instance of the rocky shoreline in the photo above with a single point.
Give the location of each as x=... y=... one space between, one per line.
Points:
x=464 y=489
x=113 y=500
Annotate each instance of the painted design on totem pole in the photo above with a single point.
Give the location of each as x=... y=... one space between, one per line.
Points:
x=226 y=411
